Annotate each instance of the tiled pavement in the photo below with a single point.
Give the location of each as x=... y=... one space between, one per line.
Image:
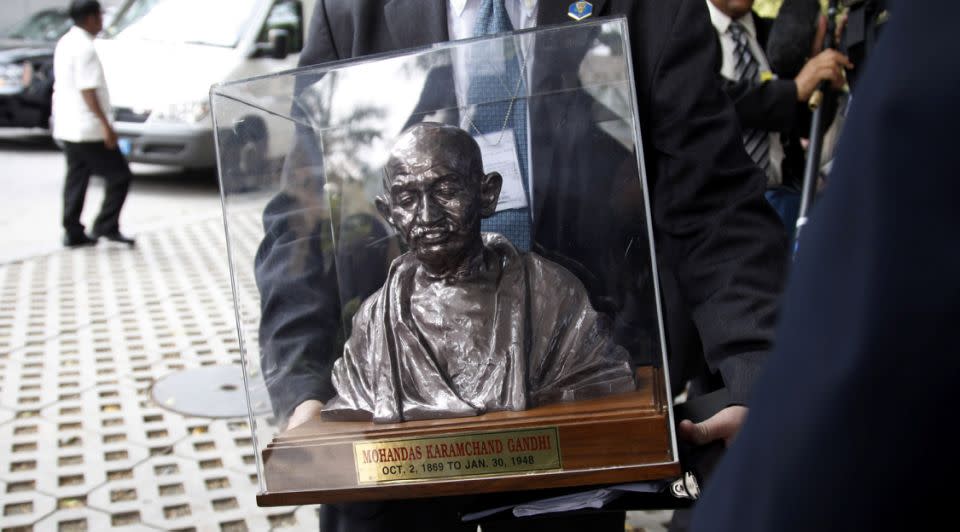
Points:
x=83 y=336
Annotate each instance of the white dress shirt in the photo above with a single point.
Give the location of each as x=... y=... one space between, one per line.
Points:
x=722 y=22
x=76 y=67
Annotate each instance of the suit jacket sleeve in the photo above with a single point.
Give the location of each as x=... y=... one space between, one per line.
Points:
x=299 y=302
x=295 y=270
x=714 y=228
x=772 y=105
x=769 y=106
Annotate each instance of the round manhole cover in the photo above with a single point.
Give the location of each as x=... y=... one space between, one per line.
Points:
x=210 y=391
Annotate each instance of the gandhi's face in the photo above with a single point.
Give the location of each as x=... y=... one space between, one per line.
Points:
x=435 y=208
x=433 y=200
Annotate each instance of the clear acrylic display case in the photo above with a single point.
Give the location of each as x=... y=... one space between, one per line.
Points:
x=301 y=159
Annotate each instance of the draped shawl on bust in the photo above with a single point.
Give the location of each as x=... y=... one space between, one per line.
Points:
x=519 y=333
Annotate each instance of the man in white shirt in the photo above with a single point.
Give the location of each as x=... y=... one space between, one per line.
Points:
x=773 y=112
x=81 y=121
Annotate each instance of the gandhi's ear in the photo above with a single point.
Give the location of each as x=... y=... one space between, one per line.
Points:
x=383 y=207
x=489 y=193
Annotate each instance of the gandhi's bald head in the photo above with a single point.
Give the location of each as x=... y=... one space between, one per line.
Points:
x=433 y=143
x=435 y=193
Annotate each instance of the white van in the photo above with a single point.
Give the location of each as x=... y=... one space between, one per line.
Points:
x=161 y=64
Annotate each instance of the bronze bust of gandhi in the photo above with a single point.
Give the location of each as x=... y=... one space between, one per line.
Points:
x=465 y=324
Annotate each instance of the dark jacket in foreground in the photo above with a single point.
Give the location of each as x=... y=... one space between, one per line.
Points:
x=849 y=424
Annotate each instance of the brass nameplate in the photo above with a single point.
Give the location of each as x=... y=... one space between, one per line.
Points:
x=463 y=455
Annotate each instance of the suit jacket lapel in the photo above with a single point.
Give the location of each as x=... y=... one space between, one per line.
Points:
x=414 y=23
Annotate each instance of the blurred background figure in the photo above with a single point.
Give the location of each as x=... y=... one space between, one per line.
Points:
x=847 y=424
x=770 y=69
x=26 y=60
x=81 y=120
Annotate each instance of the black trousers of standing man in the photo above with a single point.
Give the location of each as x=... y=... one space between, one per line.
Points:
x=83 y=160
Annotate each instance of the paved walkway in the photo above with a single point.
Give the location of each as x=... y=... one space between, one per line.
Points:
x=84 y=334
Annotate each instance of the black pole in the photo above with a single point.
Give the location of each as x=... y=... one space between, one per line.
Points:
x=812 y=169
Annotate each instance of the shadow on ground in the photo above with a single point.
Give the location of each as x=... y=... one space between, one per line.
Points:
x=148 y=178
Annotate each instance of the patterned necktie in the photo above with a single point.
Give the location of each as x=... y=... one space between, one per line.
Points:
x=503 y=106
x=746 y=67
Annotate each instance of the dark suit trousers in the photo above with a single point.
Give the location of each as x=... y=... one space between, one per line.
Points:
x=83 y=160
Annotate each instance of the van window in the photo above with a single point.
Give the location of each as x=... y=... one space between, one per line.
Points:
x=48 y=25
x=286 y=15
x=128 y=14
x=213 y=22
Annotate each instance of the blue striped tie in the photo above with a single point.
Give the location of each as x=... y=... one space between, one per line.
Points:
x=507 y=109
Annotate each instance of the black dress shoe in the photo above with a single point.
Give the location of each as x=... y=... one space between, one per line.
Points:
x=75 y=241
x=117 y=236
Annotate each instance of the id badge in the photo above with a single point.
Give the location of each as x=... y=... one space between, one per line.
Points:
x=499 y=153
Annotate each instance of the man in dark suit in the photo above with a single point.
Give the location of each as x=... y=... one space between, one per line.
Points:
x=720 y=246
x=772 y=111
x=847 y=424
